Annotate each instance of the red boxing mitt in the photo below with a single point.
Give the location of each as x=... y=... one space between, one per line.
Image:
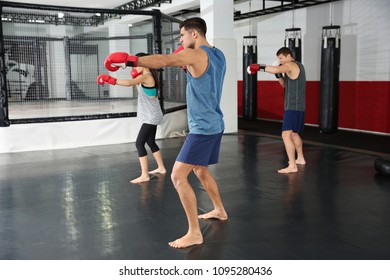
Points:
x=179 y=49
x=104 y=78
x=134 y=73
x=117 y=60
x=254 y=68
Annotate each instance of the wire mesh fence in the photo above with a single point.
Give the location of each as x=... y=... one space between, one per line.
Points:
x=51 y=60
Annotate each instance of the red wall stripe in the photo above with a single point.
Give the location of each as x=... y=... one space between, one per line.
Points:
x=363 y=105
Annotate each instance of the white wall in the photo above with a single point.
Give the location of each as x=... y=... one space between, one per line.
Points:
x=74 y=134
x=365 y=33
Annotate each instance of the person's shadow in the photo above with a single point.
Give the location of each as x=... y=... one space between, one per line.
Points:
x=155 y=193
x=293 y=195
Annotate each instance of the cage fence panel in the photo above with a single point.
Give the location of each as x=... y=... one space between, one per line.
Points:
x=174 y=79
x=52 y=60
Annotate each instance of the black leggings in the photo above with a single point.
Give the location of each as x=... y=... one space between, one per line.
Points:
x=147 y=134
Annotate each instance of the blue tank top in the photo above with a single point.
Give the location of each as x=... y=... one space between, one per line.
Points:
x=204 y=95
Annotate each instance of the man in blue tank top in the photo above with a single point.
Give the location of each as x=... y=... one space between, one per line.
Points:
x=294 y=84
x=205 y=67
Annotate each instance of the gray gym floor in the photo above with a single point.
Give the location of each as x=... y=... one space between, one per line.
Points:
x=79 y=204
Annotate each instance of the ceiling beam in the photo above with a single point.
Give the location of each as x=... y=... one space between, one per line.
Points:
x=294 y=4
x=141 y=4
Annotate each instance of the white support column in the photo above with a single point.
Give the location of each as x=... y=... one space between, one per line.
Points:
x=55 y=56
x=218 y=15
x=119 y=29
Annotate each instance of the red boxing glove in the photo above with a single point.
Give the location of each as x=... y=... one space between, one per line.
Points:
x=104 y=78
x=134 y=73
x=179 y=49
x=120 y=59
x=254 y=68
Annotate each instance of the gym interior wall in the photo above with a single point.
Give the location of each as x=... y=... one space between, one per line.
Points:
x=364 y=84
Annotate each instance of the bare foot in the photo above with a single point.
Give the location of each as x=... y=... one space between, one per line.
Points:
x=288 y=169
x=187 y=241
x=300 y=161
x=140 y=179
x=158 y=171
x=214 y=214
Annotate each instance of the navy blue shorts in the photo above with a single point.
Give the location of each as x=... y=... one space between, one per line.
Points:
x=200 y=149
x=293 y=120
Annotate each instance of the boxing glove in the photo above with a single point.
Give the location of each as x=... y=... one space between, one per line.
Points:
x=104 y=78
x=179 y=49
x=276 y=63
x=278 y=75
x=254 y=68
x=134 y=73
x=117 y=60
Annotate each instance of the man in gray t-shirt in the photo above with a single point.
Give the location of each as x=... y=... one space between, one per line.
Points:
x=294 y=84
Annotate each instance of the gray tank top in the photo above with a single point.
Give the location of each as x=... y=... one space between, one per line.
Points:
x=149 y=110
x=295 y=91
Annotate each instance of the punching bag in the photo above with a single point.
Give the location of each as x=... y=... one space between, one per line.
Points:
x=4 y=120
x=329 y=83
x=249 y=82
x=294 y=43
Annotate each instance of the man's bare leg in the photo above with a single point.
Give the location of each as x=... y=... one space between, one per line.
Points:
x=208 y=182
x=299 y=148
x=144 y=171
x=160 y=164
x=290 y=150
x=187 y=196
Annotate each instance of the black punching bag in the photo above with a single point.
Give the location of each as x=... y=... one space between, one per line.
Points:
x=4 y=121
x=294 y=43
x=329 y=84
x=249 y=82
